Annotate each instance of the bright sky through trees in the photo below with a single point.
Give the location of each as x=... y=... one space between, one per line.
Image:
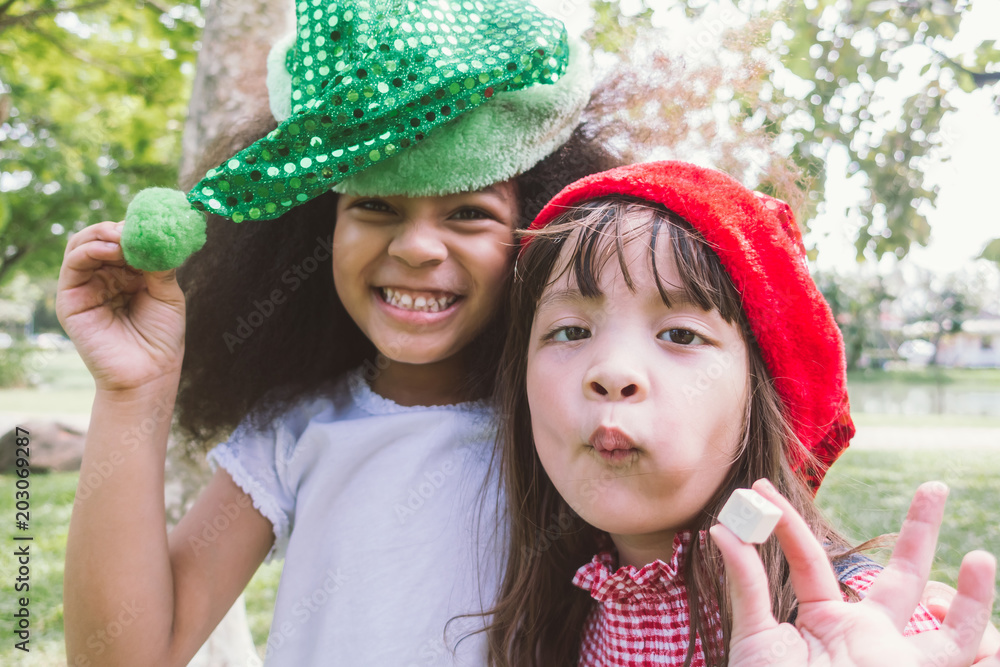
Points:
x=967 y=215
x=964 y=167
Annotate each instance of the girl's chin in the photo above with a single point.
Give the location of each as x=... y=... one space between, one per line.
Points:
x=617 y=516
x=414 y=355
x=611 y=519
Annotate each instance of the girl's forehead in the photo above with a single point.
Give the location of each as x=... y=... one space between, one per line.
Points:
x=631 y=225
x=506 y=190
x=626 y=252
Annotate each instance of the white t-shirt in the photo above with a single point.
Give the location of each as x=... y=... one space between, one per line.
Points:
x=379 y=512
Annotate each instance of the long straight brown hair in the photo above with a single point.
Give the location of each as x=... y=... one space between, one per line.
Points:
x=539 y=616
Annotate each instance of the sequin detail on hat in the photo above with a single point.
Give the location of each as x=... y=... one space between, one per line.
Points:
x=370 y=78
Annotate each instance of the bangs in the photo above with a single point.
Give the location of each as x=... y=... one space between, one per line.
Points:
x=598 y=233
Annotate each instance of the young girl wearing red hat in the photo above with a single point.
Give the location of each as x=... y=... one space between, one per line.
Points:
x=674 y=349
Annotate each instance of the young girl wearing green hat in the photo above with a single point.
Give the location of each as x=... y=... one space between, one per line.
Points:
x=363 y=439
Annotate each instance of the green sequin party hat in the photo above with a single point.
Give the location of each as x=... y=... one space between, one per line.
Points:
x=385 y=97
x=370 y=79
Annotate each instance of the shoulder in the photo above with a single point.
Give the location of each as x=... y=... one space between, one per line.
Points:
x=331 y=402
x=264 y=442
x=856 y=565
x=859 y=573
x=261 y=454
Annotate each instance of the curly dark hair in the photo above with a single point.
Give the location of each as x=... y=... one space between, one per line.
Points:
x=265 y=327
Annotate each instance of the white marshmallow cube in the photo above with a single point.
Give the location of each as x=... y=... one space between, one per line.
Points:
x=751 y=516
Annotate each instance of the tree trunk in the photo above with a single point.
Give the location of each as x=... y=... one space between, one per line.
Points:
x=229 y=94
x=228 y=104
x=933 y=361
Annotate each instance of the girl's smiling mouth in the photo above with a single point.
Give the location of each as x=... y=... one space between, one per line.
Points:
x=417 y=306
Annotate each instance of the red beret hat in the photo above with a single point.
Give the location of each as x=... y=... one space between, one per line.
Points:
x=760 y=246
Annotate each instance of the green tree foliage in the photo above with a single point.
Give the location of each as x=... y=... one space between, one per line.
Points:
x=93 y=94
x=992 y=251
x=846 y=49
x=810 y=75
x=92 y=100
x=857 y=302
x=876 y=313
x=944 y=303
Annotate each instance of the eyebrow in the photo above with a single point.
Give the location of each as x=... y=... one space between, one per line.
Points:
x=678 y=298
x=494 y=189
x=569 y=295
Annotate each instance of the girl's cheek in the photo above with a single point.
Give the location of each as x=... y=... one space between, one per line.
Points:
x=540 y=365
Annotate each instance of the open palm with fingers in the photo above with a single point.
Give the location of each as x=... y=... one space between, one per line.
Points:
x=831 y=632
x=128 y=326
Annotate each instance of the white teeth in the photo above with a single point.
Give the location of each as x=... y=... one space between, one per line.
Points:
x=419 y=303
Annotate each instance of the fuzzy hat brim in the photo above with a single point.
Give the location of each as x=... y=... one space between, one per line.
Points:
x=759 y=244
x=491 y=144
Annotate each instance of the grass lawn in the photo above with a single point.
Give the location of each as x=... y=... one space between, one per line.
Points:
x=51 y=504
x=925 y=421
x=64 y=386
x=866 y=494
x=978 y=377
x=64 y=369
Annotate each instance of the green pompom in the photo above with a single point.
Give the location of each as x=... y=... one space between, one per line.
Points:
x=161 y=230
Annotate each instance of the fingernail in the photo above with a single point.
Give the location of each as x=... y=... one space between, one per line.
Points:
x=938 y=488
x=765 y=484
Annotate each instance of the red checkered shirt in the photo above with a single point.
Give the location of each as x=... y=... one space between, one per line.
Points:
x=642 y=615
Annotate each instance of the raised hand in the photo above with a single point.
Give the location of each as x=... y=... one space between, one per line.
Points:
x=938 y=597
x=128 y=326
x=829 y=631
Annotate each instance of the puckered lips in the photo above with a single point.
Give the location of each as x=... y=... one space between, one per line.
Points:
x=417 y=305
x=613 y=445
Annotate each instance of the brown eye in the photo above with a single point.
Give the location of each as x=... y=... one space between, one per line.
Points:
x=569 y=334
x=471 y=214
x=374 y=205
x=681 y=336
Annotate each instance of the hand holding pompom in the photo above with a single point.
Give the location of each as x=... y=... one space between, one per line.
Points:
x=127 y=325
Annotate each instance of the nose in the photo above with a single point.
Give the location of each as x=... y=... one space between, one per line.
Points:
x=418 y=243
x=615 y=380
